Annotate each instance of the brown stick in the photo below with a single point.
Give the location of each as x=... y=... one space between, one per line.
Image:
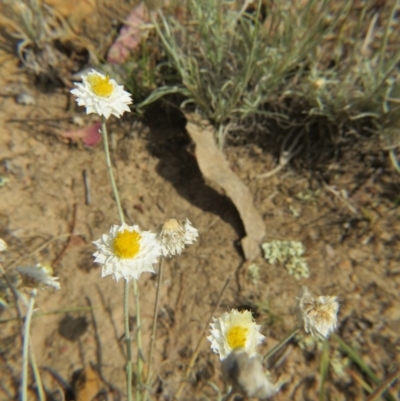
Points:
x=384 y=386
x=57 y=260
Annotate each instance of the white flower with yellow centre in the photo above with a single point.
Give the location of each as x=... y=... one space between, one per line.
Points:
x=127 y=252
x=39 y=276
x=174 y=235
x=235 y=330
x=101 y=95
x=319 y=314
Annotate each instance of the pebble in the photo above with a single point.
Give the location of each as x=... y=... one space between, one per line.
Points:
x=346 y=264
x=393 y=312
x=78 y=120
x=26 y=99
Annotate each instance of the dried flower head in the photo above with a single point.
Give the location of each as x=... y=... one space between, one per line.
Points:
x=101 y=95
x=127 y=252
x=174 y=235
x=319 y=314
x=246 y=375
x=39 y=276
x=3 y=245
x=235 y=330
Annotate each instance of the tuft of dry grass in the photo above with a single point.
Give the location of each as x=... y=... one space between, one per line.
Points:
x=300 y=64
x=43 y=40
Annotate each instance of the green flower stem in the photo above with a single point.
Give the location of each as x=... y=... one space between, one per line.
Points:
x=110 y=171
x=154 y=329
x=324 y=369
x=25 y=347
x=36 y=375
x=128 y=342
x=355 y=357
x=126 y=290
x=281 y=344
x=139 y=359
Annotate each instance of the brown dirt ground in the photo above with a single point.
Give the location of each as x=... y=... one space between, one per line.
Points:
x=353 y=254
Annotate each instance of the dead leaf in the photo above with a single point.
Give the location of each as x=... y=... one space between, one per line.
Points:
x=130 y=36
x=87 y=384
x=215 y=167
x=90 y=135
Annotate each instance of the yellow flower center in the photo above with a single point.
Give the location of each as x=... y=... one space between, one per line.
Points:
x=101 y=86
x=237 y=336
x=127 y=244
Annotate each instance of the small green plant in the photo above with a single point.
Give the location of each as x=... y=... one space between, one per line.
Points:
x=303 y=64
x=288 y=253
x=230 y=64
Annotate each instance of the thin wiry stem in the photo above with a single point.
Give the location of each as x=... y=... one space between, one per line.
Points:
x=139 y=358
x=386 y=383
x=25 y=347
x=154 y=329
x=281 y=344
x=110 y=170
x=355 y=357
x=324 y=370
x=201 y=338
x=128 y=342
x=126 y=290
x=15 y=295
x=36 y=375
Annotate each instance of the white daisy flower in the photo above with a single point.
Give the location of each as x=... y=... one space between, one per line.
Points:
x=235 y=330
x=101 y=95
x=174 y=235
x=319 y=314
x=3 y=245
x=39 y=276
x=127 y=252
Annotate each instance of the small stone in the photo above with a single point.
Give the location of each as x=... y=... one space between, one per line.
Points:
x=386 y=236
x=26 y=99
x=393 y=313
x=330 y=252
x=78 y=121
x=346 y=264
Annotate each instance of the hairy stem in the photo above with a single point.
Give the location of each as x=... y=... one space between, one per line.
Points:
x=281 y=344
x=128 y=342
x=201 y=338
x=154 y=328
x=139 y=359
x=110 y=170
x=25 y=347
x=126 y=289
x=36 y=375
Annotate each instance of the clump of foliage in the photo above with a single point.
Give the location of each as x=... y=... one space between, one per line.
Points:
x=318 y=60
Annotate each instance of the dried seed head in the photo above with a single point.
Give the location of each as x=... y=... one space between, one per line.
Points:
x=39 y=276
x=319 y=314
x=174 y=235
